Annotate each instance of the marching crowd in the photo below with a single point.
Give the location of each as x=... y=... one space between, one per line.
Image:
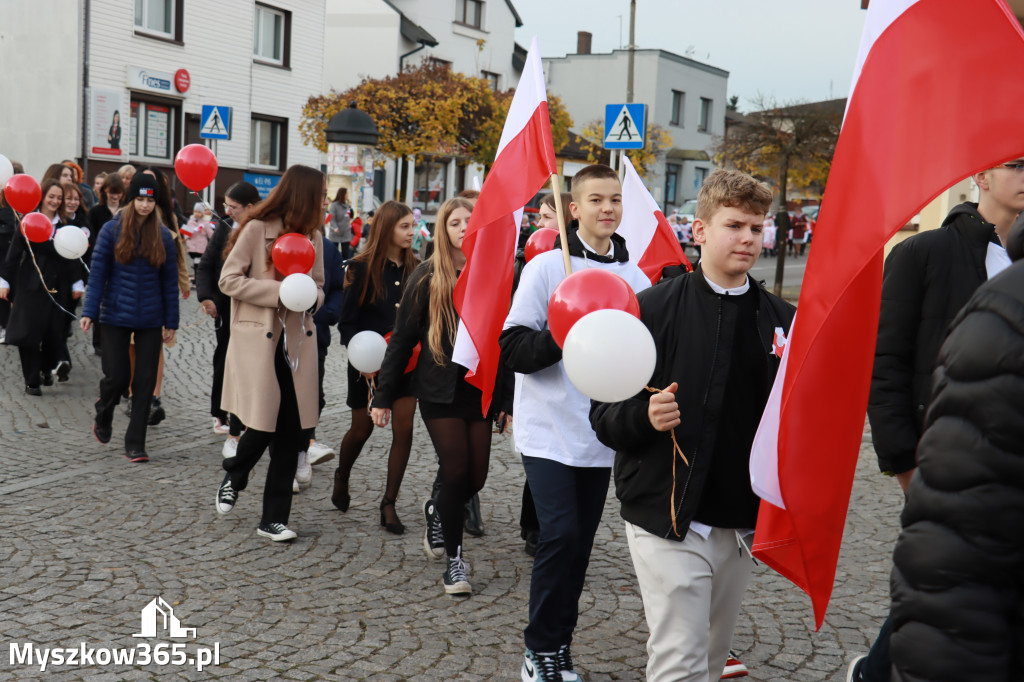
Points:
x=676 y=453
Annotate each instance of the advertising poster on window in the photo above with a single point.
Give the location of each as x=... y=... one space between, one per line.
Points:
x=107 y=136
x=158 y=128
x=133 y=139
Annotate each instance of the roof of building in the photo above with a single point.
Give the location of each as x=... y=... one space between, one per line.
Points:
x=833 y=106
x=664 y=54
x=515 y=14
x=412 y=31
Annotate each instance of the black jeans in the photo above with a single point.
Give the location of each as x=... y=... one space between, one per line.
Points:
x=877 y=666
x=117 y=374
x=222 y=330
x=284 y=442
x=569 y=502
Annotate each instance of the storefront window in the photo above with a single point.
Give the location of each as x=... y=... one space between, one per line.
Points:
x=431 y=184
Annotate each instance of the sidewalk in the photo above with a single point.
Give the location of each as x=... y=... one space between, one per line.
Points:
x=93 y=539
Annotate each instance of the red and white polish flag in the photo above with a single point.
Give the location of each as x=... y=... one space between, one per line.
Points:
x=650 y=240
x=523 y=164
x=935 y=98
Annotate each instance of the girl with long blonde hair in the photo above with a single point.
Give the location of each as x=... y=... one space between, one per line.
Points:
x=449 y=405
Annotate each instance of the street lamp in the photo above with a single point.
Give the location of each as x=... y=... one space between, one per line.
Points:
x=351 y=136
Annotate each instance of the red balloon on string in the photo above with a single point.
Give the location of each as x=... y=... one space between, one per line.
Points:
x=36 y=227
x=540 y=241
x=584 y=292
x=292 y=253
x=196 y=166
x=22 y=193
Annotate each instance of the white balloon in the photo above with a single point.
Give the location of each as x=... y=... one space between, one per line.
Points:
x=298 y=292
x=366 y=351
x=71 y=242
x=6 y=170
x=609 y=355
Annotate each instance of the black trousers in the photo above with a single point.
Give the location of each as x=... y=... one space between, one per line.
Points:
x=284 y=443
x=42 y=357
x=117 y=375
x=569 y=502
x=222 y=330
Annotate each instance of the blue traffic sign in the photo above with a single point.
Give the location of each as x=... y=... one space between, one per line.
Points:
x=625 y=126
x=215 y=123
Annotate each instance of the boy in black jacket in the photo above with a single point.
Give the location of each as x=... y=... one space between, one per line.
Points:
x=714 y=330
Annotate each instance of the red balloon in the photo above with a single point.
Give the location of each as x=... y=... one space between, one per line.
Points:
x=584 y=292
x=196 y=166
x=36 y=227
x=292 y=253
x=22 y=193
x=540 y=241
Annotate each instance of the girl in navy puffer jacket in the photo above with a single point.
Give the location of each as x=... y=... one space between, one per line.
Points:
x=133 y=292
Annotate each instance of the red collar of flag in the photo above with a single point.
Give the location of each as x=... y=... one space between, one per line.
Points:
x=912 y=129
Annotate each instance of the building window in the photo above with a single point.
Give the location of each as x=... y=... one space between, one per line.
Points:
x=267 y=142
x=493 y=79
x=705 y=115
x=271 y=33
x=159 y=18
x=469 y=12
x=434 y=61
x=671 y=184
x=151 y=129
x=430 y=184
x=678 y=101
x=699 y=176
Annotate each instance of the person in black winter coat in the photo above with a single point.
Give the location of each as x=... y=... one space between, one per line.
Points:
x=958 y=575
x=238 y=198
x=927 y=280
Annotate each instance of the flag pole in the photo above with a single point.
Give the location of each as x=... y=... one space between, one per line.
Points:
x=556 y=189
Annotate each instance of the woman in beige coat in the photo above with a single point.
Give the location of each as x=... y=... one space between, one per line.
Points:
x=270 y=373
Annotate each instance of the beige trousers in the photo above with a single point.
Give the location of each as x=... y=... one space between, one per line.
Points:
x=692 y=591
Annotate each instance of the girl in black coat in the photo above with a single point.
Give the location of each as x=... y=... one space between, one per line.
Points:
x=374 y=283
x=450 y=406
x=37 y=326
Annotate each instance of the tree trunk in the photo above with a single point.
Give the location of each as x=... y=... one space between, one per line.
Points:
x=781 y=229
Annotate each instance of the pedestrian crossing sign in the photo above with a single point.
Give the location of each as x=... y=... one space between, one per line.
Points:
x=625 y=126
x=215 y=123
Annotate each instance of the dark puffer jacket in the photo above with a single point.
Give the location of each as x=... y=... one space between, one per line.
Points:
x=135 y=295
x=958 y=576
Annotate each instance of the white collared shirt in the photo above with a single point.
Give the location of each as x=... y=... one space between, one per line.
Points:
x=996 y=259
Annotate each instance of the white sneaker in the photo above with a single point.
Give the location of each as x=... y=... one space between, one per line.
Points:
x=220 y=428
x=278 y=532
x=319 y=453
x=303 y=472
x=296 y=488
x=230 y=448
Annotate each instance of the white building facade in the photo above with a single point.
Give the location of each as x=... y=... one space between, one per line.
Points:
x=84 y=69
x=686 y=97
x=377 y=38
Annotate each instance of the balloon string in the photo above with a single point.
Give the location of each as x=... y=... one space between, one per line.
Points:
x=49 y=292
x=284 y=334
x=206 y=205
x=87 y=270
x=675 y=450
x=371 y=384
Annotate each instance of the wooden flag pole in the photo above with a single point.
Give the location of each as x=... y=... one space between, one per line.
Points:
x=556 y=189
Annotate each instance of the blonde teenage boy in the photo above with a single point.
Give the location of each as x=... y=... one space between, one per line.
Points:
x=714 y=330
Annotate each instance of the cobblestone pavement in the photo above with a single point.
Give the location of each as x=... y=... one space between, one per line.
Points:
x=92 y=539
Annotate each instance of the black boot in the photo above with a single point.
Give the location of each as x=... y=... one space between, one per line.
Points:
x=474 y=524
x=156 y=412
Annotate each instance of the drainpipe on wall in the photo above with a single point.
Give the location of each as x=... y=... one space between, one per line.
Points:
x=401 y=59
x=85 y=98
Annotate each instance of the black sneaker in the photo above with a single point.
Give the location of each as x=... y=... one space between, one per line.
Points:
x=101 y=434
x=47 y=379
x=156 y=412
x=226 y=496
x=455 y=576
x=540 y=668
x=278 y=532
x=433 y=536
x=531 y=538
x=136 y=456
x=473 y=522
x=33 y=390
x=62 y=370
x=563 y=657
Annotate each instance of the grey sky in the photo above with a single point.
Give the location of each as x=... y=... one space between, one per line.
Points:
x=787 y=49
